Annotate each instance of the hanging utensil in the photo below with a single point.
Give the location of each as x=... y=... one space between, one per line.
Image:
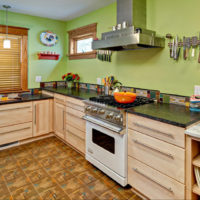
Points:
x=199 y=50
x=176 y=48
x=184 y=48
x=173 y=46
x=194 y=45
x=188 y=45
x=169 y=36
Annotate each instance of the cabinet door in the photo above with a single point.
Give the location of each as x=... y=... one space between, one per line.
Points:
x=59 y=119
x=41 y=117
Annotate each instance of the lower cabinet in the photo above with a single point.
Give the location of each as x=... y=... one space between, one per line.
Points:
x=42 y=117
x=75 y=125
x=59 y=119
x=152 y=183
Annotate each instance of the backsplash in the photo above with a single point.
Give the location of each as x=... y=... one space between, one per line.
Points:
x=156 y=94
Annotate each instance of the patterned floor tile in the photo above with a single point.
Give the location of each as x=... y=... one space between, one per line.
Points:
x=69 y=162
x=54 y=193
x=126 y=192
x=82 y=193
x=62 y=176
x=71 y=185
x=29 y=165
x=25 y=193
x=49 y=169
x=7 y=163
x=98 y=187
x=87 y=177
x=44 y=184
x=12 y=174
x=77 y=169
x=37 y=175
x=112 y=195
x=17 y=183
x=54 y=168
x=4 y=193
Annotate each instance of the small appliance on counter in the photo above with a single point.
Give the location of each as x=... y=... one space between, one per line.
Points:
x=195 y=103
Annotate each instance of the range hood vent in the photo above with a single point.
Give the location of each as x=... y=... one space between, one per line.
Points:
x=135 y=36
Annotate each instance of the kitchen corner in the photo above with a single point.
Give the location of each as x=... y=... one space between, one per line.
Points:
x=99 y=100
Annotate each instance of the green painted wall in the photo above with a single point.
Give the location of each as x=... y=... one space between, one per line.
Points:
x=150 y=68
x=49 y=70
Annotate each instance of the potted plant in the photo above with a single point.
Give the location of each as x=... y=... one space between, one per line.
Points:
x=70 y=78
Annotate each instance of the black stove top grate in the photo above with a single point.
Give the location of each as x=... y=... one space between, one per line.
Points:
x=110 y=100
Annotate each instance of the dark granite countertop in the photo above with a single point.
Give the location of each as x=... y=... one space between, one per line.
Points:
x=81 y=94
x=167 y=113
x=27 y=98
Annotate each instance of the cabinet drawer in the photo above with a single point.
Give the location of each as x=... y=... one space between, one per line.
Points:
x=75 y=122
x=15 y=133
x=75 y=104
x=15 y=114
x=74 y=112
x=166 y=132
x=75 y=141
x=75 y=131
x=152 y=183
x=59 y=98
x=160 y=155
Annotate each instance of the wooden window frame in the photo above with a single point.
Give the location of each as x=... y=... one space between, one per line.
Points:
x=24 y=66
x=89 y=31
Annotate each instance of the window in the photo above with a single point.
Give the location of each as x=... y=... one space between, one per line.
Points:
x=80 y=42
x=13 y=61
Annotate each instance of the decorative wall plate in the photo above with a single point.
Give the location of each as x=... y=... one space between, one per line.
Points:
x=48 y=38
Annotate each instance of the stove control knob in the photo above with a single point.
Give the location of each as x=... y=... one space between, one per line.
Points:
x=101 y=111
x=94 y=110
x=118 y=118
x=89 y=108
x=111 y=115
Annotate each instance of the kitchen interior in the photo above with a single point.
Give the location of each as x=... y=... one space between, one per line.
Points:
x=99 y=100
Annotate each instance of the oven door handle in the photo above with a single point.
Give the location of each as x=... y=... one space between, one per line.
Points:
x=104 y=124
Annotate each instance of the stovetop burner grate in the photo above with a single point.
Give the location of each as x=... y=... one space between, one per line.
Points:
x=109 y=100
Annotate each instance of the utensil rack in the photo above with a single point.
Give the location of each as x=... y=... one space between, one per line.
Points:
x=181 y=44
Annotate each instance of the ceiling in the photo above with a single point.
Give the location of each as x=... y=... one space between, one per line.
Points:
x=55 y=9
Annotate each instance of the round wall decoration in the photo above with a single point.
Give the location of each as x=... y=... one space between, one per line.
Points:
x=48 y=38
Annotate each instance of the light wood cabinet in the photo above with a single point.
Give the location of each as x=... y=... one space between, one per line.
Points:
x=152 y=183
x=166 y=132
x=156 y=158
x=18 y=113
x=160 y=155
x=59 y=119
x=42 y=116
x=75 y=125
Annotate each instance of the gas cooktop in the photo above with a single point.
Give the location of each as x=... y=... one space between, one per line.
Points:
x=110 y=101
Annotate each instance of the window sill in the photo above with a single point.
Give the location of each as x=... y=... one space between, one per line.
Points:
x=90 y=55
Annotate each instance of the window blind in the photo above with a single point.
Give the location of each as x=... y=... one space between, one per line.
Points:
x=10 y=64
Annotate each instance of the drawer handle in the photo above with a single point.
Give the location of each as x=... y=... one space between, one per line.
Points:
x=154 y=149
x=21 y=129
x=166 y=188
x=154 y=130
x=63 y=120
x=15 y=108
x=61 y=100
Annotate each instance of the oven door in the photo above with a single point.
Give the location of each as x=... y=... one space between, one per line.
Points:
x=107 y=147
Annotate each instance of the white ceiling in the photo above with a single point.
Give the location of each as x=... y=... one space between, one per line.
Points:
x=55 y=9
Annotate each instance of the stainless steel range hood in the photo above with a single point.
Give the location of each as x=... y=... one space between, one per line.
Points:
x=135 y=36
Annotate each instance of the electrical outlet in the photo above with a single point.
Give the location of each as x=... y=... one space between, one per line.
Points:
x=196 y=90
x=98 y=81
x=38 y=79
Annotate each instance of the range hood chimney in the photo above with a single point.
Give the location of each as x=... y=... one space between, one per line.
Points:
x=135 y=35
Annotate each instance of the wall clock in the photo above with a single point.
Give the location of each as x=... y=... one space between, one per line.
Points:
x=48 y=38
